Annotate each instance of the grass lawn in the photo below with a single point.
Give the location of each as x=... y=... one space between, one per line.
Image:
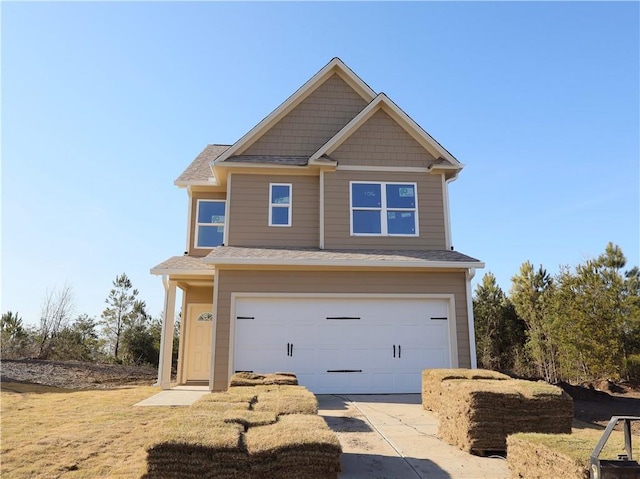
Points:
x=49 y=432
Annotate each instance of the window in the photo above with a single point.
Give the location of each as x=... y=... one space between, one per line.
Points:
x=205 y=317
x=384 y=209
x=279 y=204
x=210 y=218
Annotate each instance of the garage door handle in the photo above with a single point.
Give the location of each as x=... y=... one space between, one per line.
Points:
x=291 y=350
x=443 y=318
x=248 y=317
x=394 y=350
x=399 y=351
x=288 y=350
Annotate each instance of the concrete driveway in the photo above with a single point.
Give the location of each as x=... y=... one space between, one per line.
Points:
x=391 y=436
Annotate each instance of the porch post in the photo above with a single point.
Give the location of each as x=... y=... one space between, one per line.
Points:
x=166 y=337
x=472 y=332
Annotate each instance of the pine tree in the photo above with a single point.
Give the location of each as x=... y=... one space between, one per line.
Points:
x=531 y=294
x=119 y=312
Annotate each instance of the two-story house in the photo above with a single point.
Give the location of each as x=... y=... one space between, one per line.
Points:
x=320 y=243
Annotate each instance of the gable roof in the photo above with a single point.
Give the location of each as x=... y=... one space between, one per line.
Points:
x=335 y=66
x=382 y=102
x=199 y=171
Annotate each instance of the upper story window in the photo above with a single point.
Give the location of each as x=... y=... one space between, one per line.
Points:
x=210 y=218
x=384 y=209
x=280 y=204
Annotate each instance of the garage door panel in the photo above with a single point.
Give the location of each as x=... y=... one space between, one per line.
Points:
x=359 y=335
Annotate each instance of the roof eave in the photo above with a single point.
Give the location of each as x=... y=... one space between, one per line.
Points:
x=353 y=263
x=187 y=183
x=182 y=272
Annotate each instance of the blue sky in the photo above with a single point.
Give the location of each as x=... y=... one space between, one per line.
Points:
x=105 y=104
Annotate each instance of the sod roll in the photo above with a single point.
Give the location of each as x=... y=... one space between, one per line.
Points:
x=198 y=445
x=285 y=400
x=432 y=382
x=478 y=415
x=253 y=379
x=298 y=446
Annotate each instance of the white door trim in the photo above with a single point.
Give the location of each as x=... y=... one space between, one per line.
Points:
x=450 y=297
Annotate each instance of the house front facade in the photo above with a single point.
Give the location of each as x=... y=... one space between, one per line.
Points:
x=320 y=243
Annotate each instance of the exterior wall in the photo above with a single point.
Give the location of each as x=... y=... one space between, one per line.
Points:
x=248 y=213
x=382 y=142
x=310 y=124
x=197 y=295
x=431 y=216
x=195 y=196
x=230 y=281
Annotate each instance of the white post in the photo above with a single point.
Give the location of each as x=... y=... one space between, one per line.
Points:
x=166 y=338
x=472 y=332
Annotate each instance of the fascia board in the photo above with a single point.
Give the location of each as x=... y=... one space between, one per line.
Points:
x=356 y=263
x=334 y=66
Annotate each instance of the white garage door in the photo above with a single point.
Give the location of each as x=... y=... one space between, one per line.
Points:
x=343 y=345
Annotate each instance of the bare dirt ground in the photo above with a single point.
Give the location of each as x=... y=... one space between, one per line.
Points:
x=594 y=403
x=74 y=374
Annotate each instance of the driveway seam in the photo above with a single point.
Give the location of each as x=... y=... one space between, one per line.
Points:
x=400 y=454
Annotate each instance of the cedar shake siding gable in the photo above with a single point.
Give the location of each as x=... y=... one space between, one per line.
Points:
x=431 y=215
x=248 y=212
x=311 y=123
x=381 y=141
x=234 y=281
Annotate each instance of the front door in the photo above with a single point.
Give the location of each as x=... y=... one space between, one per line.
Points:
x=198 y=352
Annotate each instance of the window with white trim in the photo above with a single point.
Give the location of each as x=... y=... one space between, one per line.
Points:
x=384 y=208
x=210 y=219
x=280 y=204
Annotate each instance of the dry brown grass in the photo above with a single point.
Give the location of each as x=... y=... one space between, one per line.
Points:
x=49 y=432
x=537 y=456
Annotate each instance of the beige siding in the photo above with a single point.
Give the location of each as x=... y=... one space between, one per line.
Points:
x=248 y=219
x=382 y=142
x=333 y=282
x=195 y=196
x=310 y=124
x=431 y=217
x=197 y=295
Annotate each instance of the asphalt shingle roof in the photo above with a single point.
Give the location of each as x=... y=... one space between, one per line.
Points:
x=273 y=160
x=186 y=263
x=222 y=254
x=199 y=169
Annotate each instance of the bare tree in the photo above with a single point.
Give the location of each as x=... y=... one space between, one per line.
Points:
x=57 y=308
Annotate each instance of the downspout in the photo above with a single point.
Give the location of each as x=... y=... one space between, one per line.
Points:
x=165 y=283
x=470 y=273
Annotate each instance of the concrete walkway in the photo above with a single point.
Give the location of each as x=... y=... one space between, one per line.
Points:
x=178 y=396
x=391 y=436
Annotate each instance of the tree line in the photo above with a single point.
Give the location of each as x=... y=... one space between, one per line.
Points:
x=579 y=325
x=125 y=333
